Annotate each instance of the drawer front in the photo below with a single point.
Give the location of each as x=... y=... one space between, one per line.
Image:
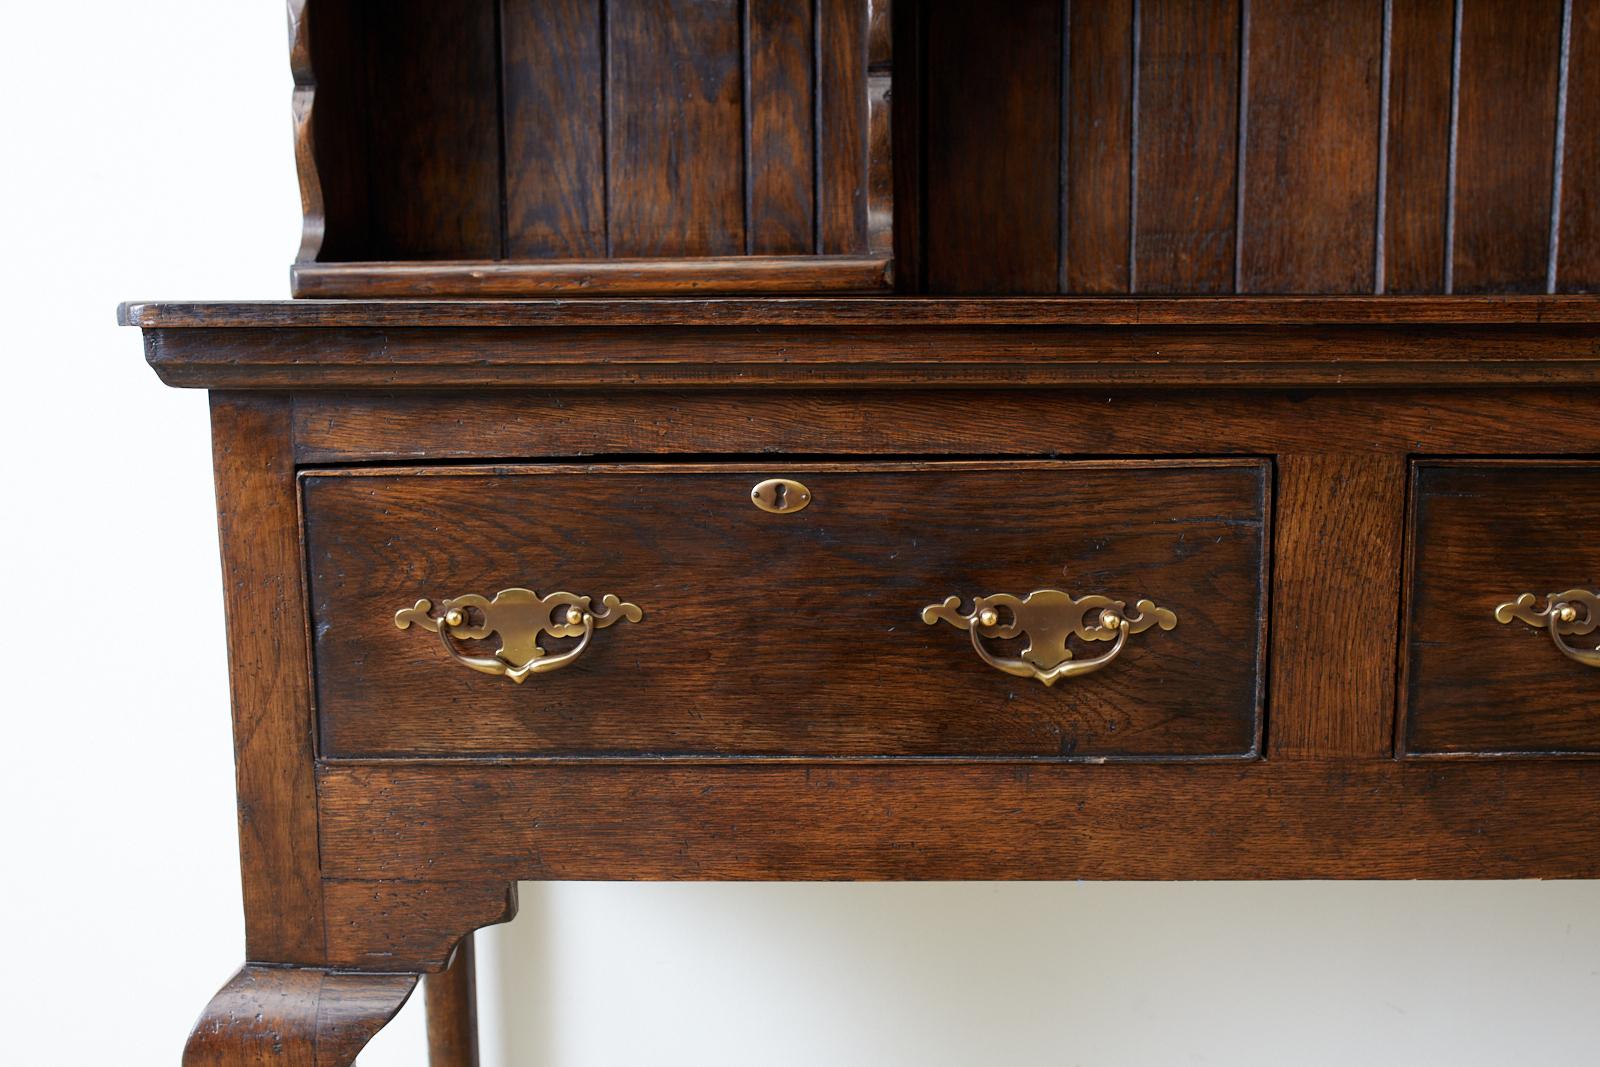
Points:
x=1485 y=674
x=819 y=630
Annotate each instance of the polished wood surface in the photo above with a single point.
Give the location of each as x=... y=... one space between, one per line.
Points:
x=1135 y=327
x=520 y=131
x=264 y=596
x=1357 y=819
x=1483 y=533
x=1274 y=146
x=793 y=635
x=1336 y=579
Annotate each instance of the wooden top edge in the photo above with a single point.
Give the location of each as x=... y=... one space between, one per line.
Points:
x=874 y=311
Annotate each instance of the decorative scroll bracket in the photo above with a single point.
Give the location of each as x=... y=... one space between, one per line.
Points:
x=1575 y=613
x=520 y=617
x=1048 y=617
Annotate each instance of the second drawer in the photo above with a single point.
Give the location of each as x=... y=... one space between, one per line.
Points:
x=818 y=625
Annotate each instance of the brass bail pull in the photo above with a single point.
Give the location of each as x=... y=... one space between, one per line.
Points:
x=520 y=617
x=1575 y=613
x=1047 y=618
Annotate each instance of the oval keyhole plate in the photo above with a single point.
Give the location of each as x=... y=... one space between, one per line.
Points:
x=781 y=496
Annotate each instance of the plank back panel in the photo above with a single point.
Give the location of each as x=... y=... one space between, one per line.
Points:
x=674 y=186
x=993 y=147
x=781 y=108
x=435 y=172
x=554 y=129
x=1417 y=180
x=1274 y=146
x=1510 y=53
x=1312 y=146
x=1098 y=130
x=1186 y=159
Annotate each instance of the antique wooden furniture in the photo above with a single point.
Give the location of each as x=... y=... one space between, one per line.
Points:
x=1215 y=494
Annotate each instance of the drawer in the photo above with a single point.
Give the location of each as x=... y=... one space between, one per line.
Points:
x=1483 y=674
x=840 y=624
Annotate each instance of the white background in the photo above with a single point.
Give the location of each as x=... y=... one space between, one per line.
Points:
x=150 y=156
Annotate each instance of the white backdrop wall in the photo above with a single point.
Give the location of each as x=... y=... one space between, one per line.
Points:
x=150 y=157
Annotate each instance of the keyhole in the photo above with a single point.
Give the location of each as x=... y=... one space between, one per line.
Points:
x=781 y=496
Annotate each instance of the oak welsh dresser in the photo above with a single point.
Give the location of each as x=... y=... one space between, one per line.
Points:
x=786 y=439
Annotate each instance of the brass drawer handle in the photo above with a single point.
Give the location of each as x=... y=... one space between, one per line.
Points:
x=1575 y=613
x=520 y=617
x=1047 y=617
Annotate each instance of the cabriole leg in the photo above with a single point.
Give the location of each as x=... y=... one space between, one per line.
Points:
x=294 y=1017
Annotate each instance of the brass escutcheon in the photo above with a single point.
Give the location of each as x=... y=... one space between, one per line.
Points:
x=781 y=496
x=520 y=617
x=1047 y=617
x=1575 y=613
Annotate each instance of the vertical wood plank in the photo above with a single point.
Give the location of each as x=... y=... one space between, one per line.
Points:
x=435 y=164
x=993 y=147
x=1421 y=43
x=1311 y=149
x=1099 y=150
x=782 y=138
x=1505 y=144
x=1578 y=259
x=676 y=172
x=1186 y=132
x=555 y=165
x=268 y=670
x=842 y=126
x=1339 y=525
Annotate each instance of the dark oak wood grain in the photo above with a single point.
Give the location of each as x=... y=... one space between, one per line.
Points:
x=1186 y=146
x=993 y=148
x=676 y=188
x=1311 y=150
x=434 y=173
x=1335 y=586
x=294 y=1017
x=555 y=153
x=1098 y=149
x=1416 y=193
x=410 y=924
x=938 y=356
x=780 y=102
x=1356 y=423
x=1482 y=534
x=842 y=133
x=268 y=657
x=1379 y=819
x=793 y=635
x=1505 y=144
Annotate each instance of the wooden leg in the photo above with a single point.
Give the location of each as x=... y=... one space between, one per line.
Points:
x=294 y=1017
x=451 y=997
